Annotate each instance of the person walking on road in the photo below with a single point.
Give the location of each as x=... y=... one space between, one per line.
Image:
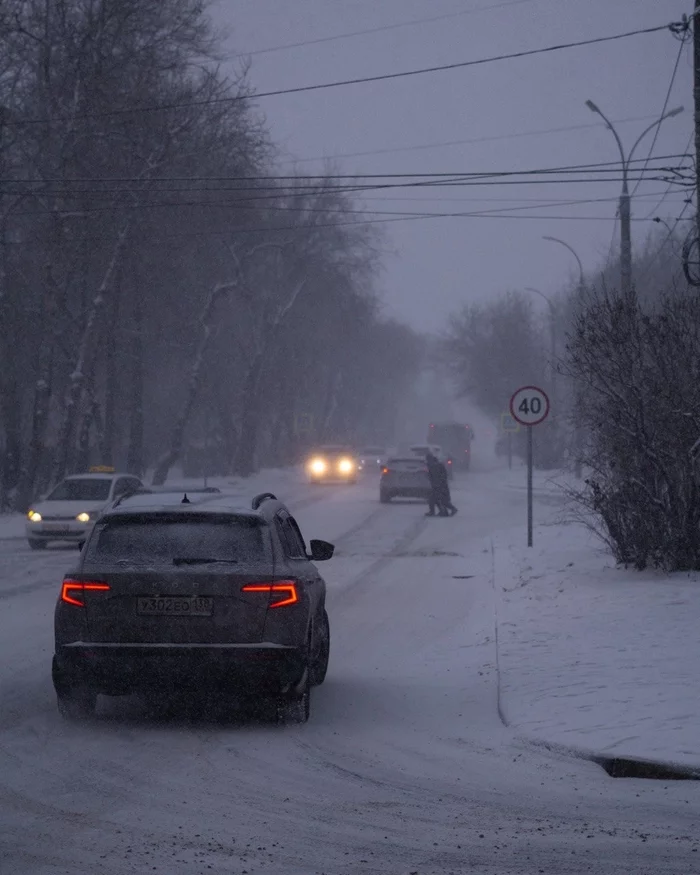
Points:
x=439 y=488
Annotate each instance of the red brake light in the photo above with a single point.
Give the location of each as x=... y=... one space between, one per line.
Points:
x=285 y=591
x=71 y=591
x=385 y=470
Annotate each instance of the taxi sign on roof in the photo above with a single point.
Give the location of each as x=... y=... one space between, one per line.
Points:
x=101 y=469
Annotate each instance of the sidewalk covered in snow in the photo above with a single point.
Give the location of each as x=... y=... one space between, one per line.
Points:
x=595 y=657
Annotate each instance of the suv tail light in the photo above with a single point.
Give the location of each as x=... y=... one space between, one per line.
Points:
x=282 y=593
x=72 y=591
x=386 y=470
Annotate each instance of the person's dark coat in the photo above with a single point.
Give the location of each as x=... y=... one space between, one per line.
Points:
x=439 y=484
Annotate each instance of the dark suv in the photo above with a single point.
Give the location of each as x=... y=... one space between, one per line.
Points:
x=175 y=595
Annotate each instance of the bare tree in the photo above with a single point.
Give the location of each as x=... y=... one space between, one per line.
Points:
x=640 y=402
x=196 y=377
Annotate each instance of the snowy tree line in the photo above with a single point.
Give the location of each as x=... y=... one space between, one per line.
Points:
x=162 y=286
x=627 y=383
x=490 y=350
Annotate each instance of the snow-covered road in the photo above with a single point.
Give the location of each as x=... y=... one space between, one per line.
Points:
x=404 y=767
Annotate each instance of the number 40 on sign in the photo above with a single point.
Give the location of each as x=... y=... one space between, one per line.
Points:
x=529 y=405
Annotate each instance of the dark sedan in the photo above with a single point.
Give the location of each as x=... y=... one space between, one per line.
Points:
x=193 y=593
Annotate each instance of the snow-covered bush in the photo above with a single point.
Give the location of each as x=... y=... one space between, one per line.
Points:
x=638 y=375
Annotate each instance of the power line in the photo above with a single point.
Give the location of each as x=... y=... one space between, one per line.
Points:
x=358 y=189
x=412 y=23
x=262 y=198
x=267 y=229
x=323 y=178
x=238 y=205
x=670 y=184
x=510 y=200
x=363 y=80
x=489 y=139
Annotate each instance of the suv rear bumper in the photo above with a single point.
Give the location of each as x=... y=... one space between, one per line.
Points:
x=406 y=491
x=118 y=669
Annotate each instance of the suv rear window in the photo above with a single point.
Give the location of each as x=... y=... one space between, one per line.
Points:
x=165 y=540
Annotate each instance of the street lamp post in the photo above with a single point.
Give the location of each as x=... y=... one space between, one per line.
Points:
x=581 y=288
x=625 y=207
x=552 y=334
x=574 y=253
x=552 y=354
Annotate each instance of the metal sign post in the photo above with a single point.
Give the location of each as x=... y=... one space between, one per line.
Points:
x=529 y=486
x=529 y=406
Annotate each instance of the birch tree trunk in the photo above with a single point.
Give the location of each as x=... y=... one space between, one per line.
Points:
x=250 y=419
x=177 y=438
x=134 y=456
x=112 y=388
x=86 y=350
x=42 y=392
x=251 y=406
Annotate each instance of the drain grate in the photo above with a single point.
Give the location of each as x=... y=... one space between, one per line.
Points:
x=622 y=767
x=462 y=576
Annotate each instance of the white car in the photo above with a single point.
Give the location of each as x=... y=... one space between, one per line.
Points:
x=69 y=511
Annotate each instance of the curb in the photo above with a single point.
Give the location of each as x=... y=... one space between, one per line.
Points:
x=620 y=766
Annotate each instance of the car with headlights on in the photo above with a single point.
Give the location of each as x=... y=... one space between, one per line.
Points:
x=332 y=464
x=69 y=511
x=176 y=595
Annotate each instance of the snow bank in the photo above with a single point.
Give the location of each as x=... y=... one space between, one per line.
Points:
x=11 y=526
x=596 y=657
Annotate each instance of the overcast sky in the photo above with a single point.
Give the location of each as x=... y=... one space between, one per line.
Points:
x=436 y=265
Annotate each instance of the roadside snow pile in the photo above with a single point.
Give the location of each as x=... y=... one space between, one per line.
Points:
x=596 y=657
x=12 y=526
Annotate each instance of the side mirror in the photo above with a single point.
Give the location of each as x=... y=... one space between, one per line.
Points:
x=321 y=550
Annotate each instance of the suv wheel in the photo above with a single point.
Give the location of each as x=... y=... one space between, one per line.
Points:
x=37 y=545
x=384 y=496
x=319 y=666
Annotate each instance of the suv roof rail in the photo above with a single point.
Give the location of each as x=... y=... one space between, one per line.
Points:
x=168 y=490
x=259 y=499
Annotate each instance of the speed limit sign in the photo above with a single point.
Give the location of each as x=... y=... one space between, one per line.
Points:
x=529 y=405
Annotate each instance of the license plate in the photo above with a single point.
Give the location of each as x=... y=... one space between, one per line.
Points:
x=55 y=527
x=182 y=606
